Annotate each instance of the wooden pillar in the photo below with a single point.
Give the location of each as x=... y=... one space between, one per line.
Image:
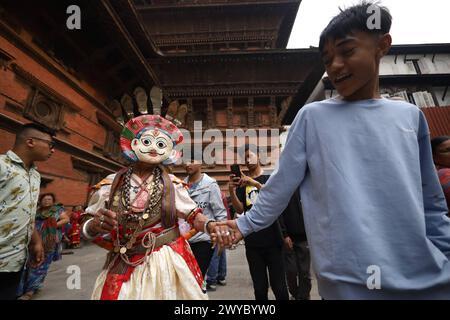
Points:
x=190 y=115
x=230 y=112
x=273 y=112
x=251 y=112
x=210 y=113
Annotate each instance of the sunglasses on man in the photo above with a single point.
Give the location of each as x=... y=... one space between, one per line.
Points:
x=51 y=143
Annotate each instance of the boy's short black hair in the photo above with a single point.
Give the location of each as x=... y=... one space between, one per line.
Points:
x=436 y=142
x=355 y=19
x=35 y=126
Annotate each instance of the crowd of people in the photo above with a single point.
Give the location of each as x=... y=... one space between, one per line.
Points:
x=359 y=187
x=54 y=228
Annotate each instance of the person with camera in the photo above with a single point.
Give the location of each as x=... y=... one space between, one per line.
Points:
x=263 y=249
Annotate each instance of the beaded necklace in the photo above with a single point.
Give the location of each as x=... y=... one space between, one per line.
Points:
x=151 y=209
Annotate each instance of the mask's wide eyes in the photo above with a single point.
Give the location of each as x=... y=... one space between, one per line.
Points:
x=161 y=144
x=146 y=141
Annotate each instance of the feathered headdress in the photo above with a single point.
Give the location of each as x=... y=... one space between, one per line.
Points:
x=137 y=125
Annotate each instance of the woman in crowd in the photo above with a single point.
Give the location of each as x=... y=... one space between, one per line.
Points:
x=51 y=217
x=74 y=232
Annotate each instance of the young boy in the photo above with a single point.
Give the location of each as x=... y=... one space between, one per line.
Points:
x=205 y=191
x=374 y=212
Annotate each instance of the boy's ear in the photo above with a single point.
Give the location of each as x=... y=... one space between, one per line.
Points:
x=30 y=143
x=384 y=44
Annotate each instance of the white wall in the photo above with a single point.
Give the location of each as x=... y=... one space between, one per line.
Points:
x=439 y=92
x=441 y=64
x=388 y=66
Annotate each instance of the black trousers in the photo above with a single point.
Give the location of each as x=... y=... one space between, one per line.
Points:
x=263 y=260
x=298 y=263
x=203 y=253
x=9 y=282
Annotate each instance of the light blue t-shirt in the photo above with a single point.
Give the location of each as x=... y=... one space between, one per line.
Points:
x=374 y=211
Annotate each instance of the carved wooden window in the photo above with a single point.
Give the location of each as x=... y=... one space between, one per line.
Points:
x=200 y=111
x=112 y=145
x=5 y=59
x=240 y=113
x=44 y=110
x=220 y=112
x=262 y=116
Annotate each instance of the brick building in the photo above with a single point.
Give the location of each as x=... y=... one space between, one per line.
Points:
x=227 y=60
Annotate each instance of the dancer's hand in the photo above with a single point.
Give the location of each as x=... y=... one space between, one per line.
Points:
x=221 y=235
x=103 y=222
x=236 y=234
x=219 y=232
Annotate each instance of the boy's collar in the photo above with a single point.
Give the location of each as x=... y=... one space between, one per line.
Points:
x=15 y=158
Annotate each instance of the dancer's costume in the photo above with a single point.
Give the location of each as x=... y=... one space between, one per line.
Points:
x=148 y=258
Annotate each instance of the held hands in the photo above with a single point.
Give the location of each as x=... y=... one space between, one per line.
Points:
x=225 y=239
x=103 y=222
x=220 y=233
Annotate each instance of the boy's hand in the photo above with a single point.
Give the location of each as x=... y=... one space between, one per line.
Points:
x=37 y=254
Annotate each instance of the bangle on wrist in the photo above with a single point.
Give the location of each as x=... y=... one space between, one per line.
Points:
x=86 y=232
x=192 y=215
x=205 y=227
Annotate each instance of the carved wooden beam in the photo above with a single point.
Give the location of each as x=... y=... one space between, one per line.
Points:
x=158 y=5
x=251 y=112
x=190 y=114
x=133 y=48
x=196 y=38
x=244 y=90
x=98 y=54
x=273 y=112
x=210 y=112
x=229 y=112
x=109 y=122
x=88 y=166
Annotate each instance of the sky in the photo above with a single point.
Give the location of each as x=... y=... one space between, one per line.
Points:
x=414 y=21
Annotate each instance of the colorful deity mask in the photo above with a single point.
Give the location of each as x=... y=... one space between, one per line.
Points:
x=151 y=139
